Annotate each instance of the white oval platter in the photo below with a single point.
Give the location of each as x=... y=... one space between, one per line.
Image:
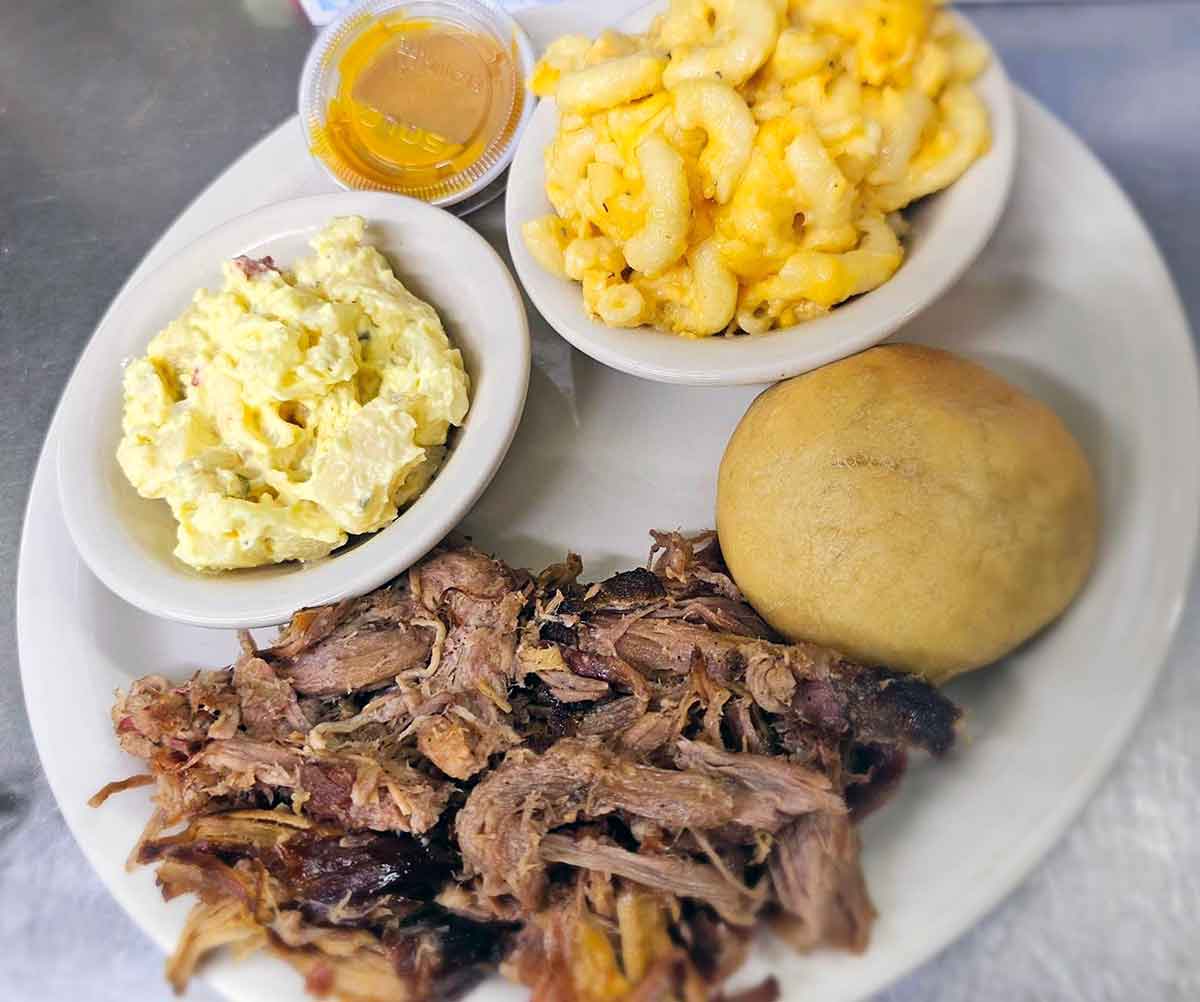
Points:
x=1070 y=300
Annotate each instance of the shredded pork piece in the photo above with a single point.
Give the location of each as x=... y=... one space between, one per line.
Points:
x=820 y=886
x=502 y=823
x=120 y=785
x=686 y=879
x=208 y=928
x=600 y=789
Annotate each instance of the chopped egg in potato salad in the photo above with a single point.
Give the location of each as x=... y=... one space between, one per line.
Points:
x=292 y=409
x=743 y=164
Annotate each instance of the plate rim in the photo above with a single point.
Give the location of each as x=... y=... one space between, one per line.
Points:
x=1083 y=791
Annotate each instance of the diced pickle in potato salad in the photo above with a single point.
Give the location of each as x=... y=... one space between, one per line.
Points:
x=742 y=166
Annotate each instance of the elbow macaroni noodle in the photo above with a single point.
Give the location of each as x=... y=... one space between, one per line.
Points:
x=742 y=166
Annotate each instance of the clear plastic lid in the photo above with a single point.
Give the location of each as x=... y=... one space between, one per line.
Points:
x=424 y=98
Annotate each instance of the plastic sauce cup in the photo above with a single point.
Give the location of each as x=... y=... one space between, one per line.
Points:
x=425 y=98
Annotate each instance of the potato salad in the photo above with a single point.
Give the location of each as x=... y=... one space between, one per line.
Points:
x=294 y=408
x=742 y=165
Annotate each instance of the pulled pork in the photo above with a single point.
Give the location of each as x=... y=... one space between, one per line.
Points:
x=599 y=789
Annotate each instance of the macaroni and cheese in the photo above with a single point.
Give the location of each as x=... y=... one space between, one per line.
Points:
x=742 y=166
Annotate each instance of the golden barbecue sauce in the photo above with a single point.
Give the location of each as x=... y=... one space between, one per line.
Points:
x=419 y=102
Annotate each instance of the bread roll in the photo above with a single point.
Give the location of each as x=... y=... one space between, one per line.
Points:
x=907 y=507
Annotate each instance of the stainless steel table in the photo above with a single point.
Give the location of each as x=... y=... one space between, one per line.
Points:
x=115 y=113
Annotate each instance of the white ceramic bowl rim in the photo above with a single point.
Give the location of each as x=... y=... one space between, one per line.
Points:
x=950 y=229
x=126 y=540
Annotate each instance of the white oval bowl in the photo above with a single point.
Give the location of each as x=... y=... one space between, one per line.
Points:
x=949 y=230
x=127 y=540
